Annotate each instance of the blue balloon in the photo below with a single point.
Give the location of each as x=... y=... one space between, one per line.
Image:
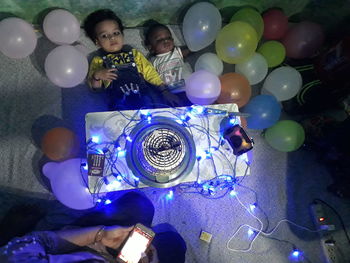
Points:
x=264 y=112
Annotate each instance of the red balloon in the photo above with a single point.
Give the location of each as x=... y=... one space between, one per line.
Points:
x=303 y=40
x=275 y=24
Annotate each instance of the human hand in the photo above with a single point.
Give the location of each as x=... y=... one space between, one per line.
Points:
x=105 y=74
x=114 y=236
x=171 y=98
x=151 y=256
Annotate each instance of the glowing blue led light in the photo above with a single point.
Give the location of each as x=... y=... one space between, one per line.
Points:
x=95 y=139
x=250 y=232
x=252 y=207
x=107 y=202
x=121 y=153
x=199 y=181
x=99 y=200
x=136 y=178
x=119 y=148
x=149 y=118
x=144 y=112
x=85 y=166
x=233 y=121
x=100 y=151
x=120 y=178
x=128 y=138
x=233 y=193
x=296 y=255
x=170 y=195
x=183 y=117
x=114 y=185
x=208 y=154
x=197 y=109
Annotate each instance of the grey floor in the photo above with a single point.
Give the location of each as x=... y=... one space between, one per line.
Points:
x=285 y=184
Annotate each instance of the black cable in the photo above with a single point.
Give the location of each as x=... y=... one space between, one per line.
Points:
x=338 y=215
x=288 y=242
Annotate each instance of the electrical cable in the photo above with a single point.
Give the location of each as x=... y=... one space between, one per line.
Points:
x=338 y=215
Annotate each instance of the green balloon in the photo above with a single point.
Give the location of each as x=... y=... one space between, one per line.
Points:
x=285 y=136
x=252 y=17
x=273 y=51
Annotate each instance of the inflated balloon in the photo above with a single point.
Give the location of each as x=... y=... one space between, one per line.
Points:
x=59 y=144
x=236 y=42
x=285 y=136
x=201 y=25
x=17 y=38
x=273 y=51
x=235 y=88
x=284 y=83
x=252 y=17
x=264 y=111
x=66 y=66
x=275 y=24
x=68 y=185
x=209 y=62
x=303 y=40
x=254 y=69
x=61 y=27
x=202 y=87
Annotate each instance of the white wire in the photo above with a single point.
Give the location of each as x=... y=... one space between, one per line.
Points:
x=259 y=230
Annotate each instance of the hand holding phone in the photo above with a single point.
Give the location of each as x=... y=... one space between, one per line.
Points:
x=115 y=235
x=137 y=243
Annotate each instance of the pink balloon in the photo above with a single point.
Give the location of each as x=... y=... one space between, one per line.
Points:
x=203 y=87
x=303 y=40
x=61 y=27
x=66 y=66
x=17 y=38
x=68 y=185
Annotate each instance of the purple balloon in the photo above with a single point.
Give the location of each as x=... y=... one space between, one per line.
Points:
x=17 y=38
x=66 y=66
x=303 y=40
x=203 y=87
x=68 y=185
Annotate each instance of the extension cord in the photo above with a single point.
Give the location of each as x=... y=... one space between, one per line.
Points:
x=325 y=227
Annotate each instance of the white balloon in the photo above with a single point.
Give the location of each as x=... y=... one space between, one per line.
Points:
x=66 y=66
x=284 y=83
x=61 y=27
x=209 y=62
x=254 y=69
x=17 y=38
x=201 y=24
x=203 y=87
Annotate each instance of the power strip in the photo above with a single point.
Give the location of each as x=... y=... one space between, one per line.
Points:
x=323 y=223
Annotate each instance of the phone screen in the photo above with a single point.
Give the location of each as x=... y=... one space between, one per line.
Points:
x=137 y=243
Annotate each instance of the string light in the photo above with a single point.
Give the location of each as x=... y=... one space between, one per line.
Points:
x=95 y=139
x=170 y=195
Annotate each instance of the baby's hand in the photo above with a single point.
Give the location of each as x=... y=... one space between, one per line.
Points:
x=105 y=74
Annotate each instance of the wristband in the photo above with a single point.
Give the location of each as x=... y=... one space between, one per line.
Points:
x=99 y=234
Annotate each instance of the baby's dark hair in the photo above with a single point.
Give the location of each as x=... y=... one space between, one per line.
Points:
x=154 y=26
x=98 y=16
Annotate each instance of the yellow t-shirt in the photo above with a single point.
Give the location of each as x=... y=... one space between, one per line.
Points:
x=144 y=67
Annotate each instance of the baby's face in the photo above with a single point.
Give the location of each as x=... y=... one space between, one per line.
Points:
x=161 y=41
x=108 y=36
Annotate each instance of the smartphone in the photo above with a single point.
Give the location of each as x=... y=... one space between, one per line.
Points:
x=137 y=243
x=238 y=140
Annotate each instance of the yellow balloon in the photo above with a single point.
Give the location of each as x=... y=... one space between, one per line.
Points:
x=236 y=42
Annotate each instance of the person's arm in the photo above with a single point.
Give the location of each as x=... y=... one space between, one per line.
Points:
x=98 y=76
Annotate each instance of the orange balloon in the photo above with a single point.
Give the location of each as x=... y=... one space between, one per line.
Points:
x=235 y=88
x=60 y=144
